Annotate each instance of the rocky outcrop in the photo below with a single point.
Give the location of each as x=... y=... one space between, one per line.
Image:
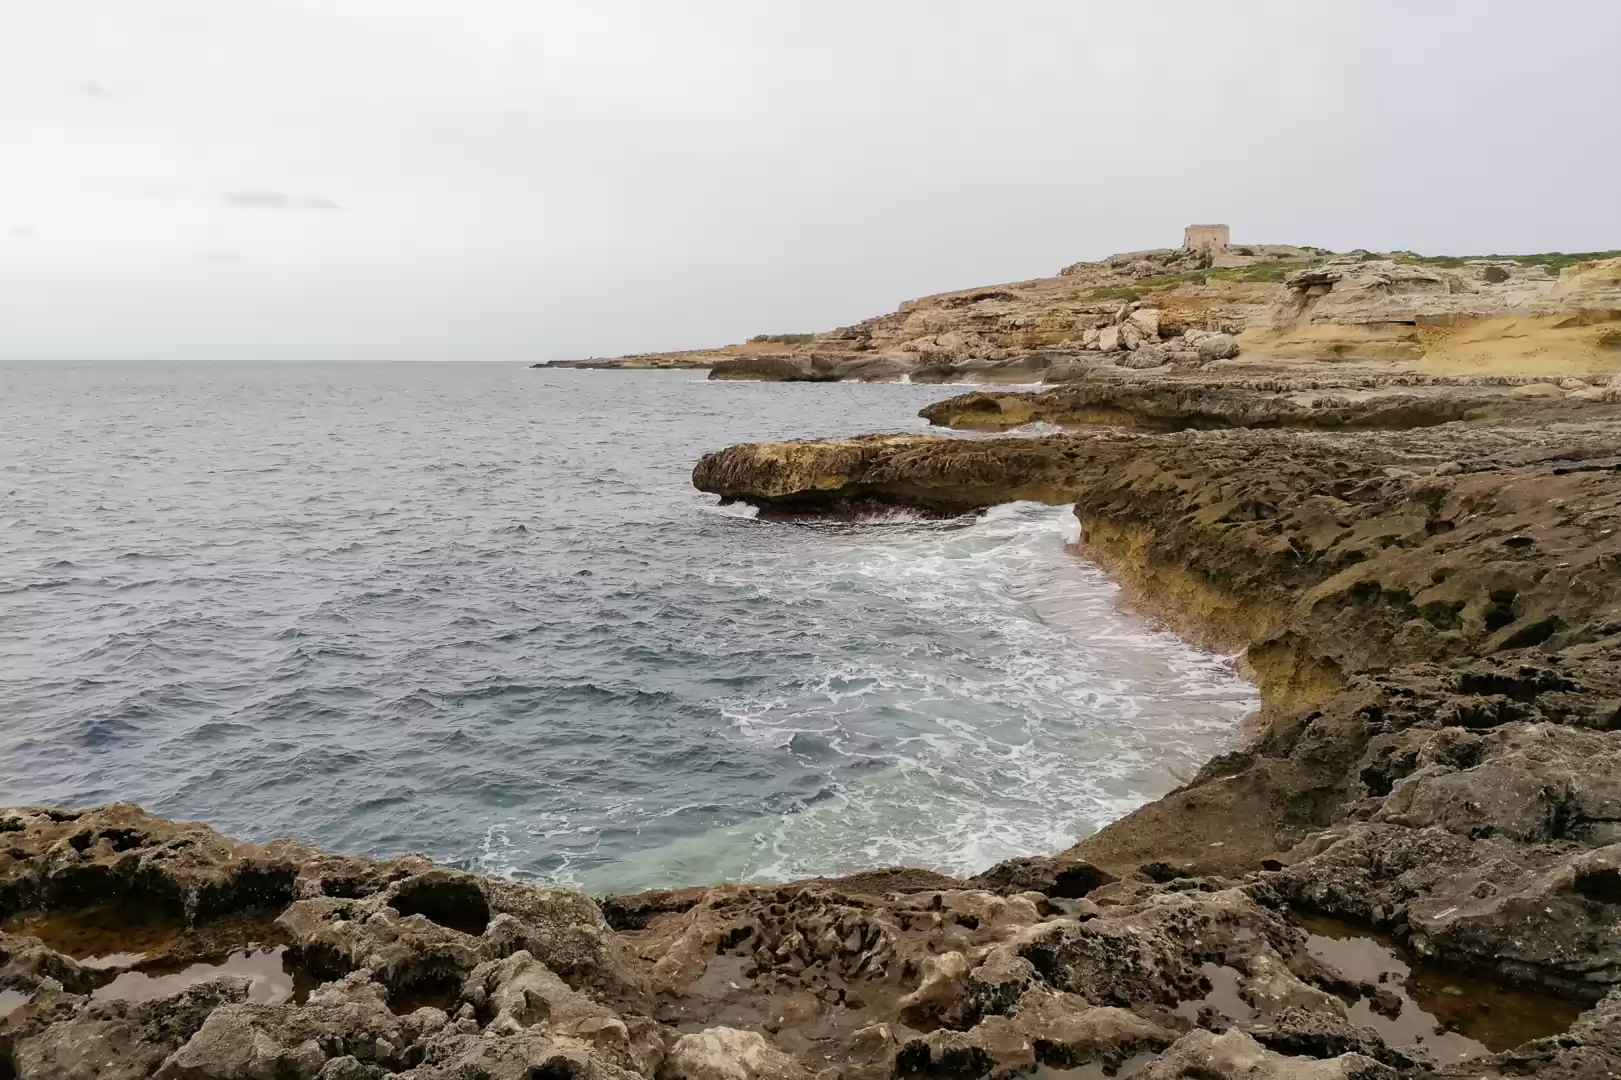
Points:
x=1484 y=313
x=1434 y=617
x=1277 y=307
x=1176 y=403
x=934 y=474
x=775 y=369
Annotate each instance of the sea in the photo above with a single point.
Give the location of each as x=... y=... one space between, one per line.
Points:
x=478 y=611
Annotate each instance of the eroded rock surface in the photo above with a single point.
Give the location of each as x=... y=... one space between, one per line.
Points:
x=1434 y=615
x=1180 y=402
x=405 y=969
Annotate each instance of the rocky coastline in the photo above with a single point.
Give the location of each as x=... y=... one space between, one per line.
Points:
x=1412 y=870
x=1424 y=577
x=1222 y=310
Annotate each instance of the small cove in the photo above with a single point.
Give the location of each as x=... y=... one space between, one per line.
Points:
x=478 y=611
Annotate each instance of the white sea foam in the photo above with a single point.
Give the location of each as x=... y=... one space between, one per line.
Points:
x=1064 y=712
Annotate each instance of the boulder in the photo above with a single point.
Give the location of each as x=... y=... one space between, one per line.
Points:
x=1146 y=356
x=1109 y=339
x=1145 y=320
x=1218 y=347
x=1130 y=336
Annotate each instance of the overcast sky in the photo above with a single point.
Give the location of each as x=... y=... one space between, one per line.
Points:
x=543 y=179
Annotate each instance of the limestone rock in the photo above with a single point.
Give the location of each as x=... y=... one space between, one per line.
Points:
x=1109 y=339
x=941 y=987
x=113 y=1040
x=771 y=369
x=1218 y=347
x=1068 y=1029
x=1146 y=320
x=1537 y=390
x=723 y=1053
x=1200 y=1055
x=1147 y=356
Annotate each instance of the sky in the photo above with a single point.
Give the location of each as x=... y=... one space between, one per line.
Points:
x=552 y=179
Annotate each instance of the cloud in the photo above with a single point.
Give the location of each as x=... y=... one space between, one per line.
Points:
x=94 y=89
x=220 y=257
x=20 y=232
x=276 y=200
x=584 y=178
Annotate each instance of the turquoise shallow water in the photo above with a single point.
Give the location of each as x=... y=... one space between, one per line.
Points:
x=478 y=611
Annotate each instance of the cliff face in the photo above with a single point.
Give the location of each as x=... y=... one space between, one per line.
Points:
x=1276 y=306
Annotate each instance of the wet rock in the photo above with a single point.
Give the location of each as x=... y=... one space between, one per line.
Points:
x=1321 y=1034
x=1531 y=782
x=65 y=1039
x=1474 y=904
x=1592 y=1048
x=1053 y=1029
x=441 y=924
x=772 y=368
x=1059 y=876
x=245 y=1041
x=1201 y=1055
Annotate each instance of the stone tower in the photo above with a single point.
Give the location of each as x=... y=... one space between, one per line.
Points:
x=1210 y=239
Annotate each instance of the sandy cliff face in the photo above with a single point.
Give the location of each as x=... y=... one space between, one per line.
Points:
x=1485 y=316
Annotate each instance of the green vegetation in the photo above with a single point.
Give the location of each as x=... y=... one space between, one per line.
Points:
x=1115 y=292
x=782 y=339
x=1269 y=271
x=1555 y=261
x=1266 y=271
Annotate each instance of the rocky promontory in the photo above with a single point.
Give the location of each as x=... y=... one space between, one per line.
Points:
x=1218 y=308
x=1423 y=577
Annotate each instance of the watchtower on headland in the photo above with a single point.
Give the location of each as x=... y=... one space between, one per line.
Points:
x=1212 y=240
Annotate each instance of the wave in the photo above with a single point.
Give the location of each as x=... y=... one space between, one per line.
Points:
x=496 y=624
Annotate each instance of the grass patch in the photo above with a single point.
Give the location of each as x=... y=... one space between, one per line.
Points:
x=1270 y=271
x=1275 y=271
x=782 y=339
x=1115 y=292
x=1555 y=261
